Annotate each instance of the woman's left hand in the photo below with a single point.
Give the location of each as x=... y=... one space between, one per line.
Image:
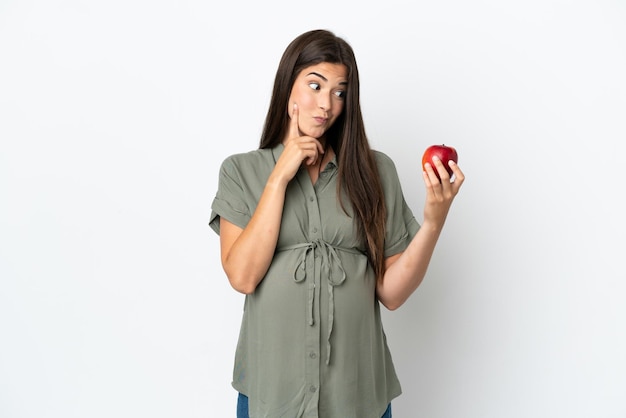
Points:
x=440 y=194
x=405 y=271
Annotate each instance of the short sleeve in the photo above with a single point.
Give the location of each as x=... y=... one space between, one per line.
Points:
x=401 y=223
x=229 y=201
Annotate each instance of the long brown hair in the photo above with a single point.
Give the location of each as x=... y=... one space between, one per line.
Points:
x=358 y=172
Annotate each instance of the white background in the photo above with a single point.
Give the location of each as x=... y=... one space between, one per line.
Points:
x=115 y=116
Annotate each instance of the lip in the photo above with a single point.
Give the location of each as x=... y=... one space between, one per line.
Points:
x=320 y=120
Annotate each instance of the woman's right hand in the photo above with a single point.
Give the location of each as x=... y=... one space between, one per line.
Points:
x=247 y=253
x=298 y=149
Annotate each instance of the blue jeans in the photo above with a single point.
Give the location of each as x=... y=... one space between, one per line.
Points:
x=242 y=408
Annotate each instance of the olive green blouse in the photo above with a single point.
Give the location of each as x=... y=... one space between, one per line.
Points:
x=311 y=342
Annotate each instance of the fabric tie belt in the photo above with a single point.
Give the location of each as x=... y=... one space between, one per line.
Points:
x=332 y=268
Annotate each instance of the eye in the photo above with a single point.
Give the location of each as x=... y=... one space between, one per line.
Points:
x=340 y=93
x=314 y=85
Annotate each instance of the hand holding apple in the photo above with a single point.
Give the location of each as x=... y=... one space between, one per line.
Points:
x=444 y=152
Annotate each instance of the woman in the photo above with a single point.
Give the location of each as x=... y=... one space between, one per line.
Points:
x=315 y=231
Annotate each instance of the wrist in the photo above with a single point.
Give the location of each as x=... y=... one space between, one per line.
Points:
x=276 y=183
x=431 y=227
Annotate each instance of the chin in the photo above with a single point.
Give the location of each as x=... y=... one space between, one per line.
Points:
x=316 y=133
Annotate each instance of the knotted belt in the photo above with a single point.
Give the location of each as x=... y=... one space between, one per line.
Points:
x=331 y=267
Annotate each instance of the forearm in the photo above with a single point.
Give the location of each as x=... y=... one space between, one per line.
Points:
x=248 y=255
x=406 y=273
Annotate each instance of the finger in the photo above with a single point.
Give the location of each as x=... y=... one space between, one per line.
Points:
x=459 y=177
x=429 y=172
x=427 y=181
x=294 y=130
x=441 y=170
x=320 y=148
x=316 y=149
x=458 y=174
x=433 y=186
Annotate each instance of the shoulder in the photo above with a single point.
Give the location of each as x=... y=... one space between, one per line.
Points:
x=384 y=162
x=257 y=155
x=388 y=174
x=248 y=161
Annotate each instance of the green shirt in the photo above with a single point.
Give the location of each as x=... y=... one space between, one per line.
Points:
x=311 y=342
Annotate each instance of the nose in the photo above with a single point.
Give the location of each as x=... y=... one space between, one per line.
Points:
x=324 y=102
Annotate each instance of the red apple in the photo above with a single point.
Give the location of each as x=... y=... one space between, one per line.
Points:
x=445 y=154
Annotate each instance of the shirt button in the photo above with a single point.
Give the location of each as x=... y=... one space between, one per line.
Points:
x=314 y=230
x=312 y=354
x=311 y=198
x=312 y=388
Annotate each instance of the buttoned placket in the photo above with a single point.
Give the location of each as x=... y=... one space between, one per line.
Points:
x=316 y=257
x=313 y=334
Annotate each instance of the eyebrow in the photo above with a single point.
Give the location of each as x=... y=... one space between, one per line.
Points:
x=344 y=83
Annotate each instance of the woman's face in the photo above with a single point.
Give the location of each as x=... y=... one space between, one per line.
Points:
x=319 y=91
